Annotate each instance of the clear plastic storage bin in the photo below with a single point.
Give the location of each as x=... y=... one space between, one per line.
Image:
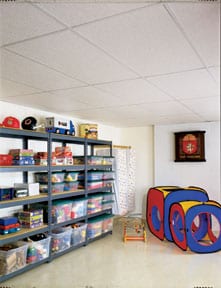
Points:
x=94 y=204
x=79 y=208
x=12 y=257
x=94 y=227
x=107 y=224
x=38 y=250
x=71 y=186
x=60 y=239
x=71 y=176
x=61 y=211
x=56 y=177
x=78 y=235
x=55 y=187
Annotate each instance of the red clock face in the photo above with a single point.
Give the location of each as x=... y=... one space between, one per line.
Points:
x=189 y=144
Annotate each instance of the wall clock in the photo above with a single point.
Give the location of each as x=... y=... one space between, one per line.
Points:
x=189 y=146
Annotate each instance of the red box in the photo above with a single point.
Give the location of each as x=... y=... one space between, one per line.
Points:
x=5 y=160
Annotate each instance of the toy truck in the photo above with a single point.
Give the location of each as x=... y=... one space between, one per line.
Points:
x=60 y=126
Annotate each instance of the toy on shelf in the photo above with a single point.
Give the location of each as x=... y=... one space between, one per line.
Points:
x=5 y=160
x=6 y=193
x=11 y=122
x=9 y=224
x=31 y=218
x=88 y=130
x=30 y=123
x=60 y=126
x=22 y=156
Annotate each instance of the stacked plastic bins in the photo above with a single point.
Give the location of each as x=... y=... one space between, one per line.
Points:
x=57 y=181
x=70 y=181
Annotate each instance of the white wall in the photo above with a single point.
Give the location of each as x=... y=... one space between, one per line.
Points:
x=141 y=140
x=202 y=174
x=20 y=112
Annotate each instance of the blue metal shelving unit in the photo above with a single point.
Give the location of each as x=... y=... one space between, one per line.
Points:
x=89 y=146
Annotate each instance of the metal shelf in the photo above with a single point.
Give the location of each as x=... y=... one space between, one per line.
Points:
x=24 y=200
x=24 y=168
x=99 y=167
x=60 y=253
x=20 y=133
x=106 y=211
x=24 y=269
x=68 y=167
x=67 y=194
x=98 y=190
x=99 y=237
x=69 y=222
x=23 y=233
x=25 y=136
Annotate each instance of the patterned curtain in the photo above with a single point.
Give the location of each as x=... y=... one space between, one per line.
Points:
x=124 y=184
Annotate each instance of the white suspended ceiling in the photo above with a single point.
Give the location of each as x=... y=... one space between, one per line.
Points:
x=123 y=64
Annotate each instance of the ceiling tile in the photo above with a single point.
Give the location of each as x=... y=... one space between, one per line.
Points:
x=73 y=14
x=147 y=40
x=165 y=108
x=201 y=22
x=187 y=85
x=70 y=54
x=182 y=118
x=87 y=96
x=207 y=108
x=20 y=69
x=135 y=91
x=215 y=71
x=49 y=101
x=22 y=21
x=9 y=88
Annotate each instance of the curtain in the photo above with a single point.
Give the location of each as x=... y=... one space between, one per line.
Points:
x=124 y=184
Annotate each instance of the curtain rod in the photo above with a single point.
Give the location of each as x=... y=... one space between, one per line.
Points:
x=121 y=147
x=115 y=146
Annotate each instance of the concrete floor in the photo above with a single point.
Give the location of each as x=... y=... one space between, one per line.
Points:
x=111 y=263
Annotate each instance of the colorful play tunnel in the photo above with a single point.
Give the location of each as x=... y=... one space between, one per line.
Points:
x=185 y=216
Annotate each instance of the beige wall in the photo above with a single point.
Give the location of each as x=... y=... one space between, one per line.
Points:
x=141 y=140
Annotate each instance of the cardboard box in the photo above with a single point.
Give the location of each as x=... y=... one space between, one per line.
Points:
x=31 y=219
x=88 y=130
x=33 y=188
